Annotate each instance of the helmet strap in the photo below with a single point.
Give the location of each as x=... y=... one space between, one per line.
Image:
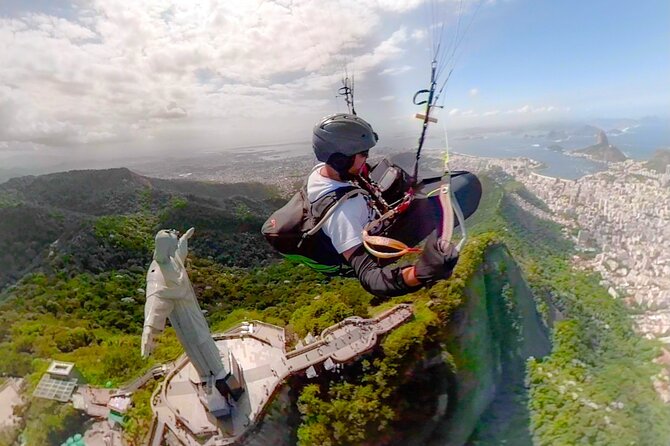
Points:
x=342 y=163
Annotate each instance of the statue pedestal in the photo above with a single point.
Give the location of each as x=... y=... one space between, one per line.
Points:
x=263 y=366
x=215 y=393
x=186 y=410
x=215 y=403
x=234 y=380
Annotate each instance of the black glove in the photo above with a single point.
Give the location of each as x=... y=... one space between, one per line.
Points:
x=437 y=261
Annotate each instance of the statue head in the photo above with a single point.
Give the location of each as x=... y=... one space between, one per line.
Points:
x=166 y=245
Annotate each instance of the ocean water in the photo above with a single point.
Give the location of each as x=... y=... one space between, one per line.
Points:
x=511 y=146
x=638 y=143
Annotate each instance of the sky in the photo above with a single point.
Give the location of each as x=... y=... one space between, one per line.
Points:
x=131 y=78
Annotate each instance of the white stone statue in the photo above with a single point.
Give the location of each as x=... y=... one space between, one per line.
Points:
x=170 y=295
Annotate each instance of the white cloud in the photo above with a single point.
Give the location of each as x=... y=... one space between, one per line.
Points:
x=419 y=35
x=398 y=5
x=529 y=109
x=474 y=92
x=167 y=72
x=524 y=110
x=124 y=70
x=395 y=71
x=388 y=49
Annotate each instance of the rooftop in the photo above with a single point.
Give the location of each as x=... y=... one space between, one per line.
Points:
x=58 y=368
x=58 y=383
x=55 y=389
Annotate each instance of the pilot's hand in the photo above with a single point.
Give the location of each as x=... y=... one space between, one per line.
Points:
x=437 y=261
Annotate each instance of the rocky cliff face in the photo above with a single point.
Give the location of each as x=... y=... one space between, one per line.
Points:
x=491 y=337
x=602 y=138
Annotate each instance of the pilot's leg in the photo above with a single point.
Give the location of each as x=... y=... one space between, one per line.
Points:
x=425 y=214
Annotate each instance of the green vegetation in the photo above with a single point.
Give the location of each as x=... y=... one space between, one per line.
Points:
x=518 y=188
x=87 y=308
x=50 y=423
x=320 y=314
x=7 y=200
x=369 y=405
x=347 y=416
x=82 y=299
x=595 y=387
x=139 y=417
x=128 y=232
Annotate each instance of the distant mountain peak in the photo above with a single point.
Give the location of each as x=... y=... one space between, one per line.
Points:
x=602 y=138
x=602 y=150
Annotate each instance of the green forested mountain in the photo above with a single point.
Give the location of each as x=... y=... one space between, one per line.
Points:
x=481 y=339
x=76 y=221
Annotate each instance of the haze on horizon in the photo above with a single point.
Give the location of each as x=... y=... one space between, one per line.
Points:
x=101 y=78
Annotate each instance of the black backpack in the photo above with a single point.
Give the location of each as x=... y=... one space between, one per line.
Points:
x=295 y=229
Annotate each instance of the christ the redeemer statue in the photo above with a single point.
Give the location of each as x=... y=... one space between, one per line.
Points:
x=169 y=294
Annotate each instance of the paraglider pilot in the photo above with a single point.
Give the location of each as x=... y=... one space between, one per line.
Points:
x=341 y=142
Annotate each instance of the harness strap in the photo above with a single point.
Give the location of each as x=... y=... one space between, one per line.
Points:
x=447 y=212
x=332 y=209
x=449 y=205
x=461 y=221
x=370 y=241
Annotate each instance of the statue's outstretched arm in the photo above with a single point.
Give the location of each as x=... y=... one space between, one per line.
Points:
x=182 y=246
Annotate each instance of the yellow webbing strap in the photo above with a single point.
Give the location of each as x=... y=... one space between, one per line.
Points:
x=372 y=241
x=369 y=241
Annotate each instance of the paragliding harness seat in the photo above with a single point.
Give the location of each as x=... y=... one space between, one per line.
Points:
x=295 y=229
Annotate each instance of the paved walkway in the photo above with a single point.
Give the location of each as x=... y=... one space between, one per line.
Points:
x=10 y=397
